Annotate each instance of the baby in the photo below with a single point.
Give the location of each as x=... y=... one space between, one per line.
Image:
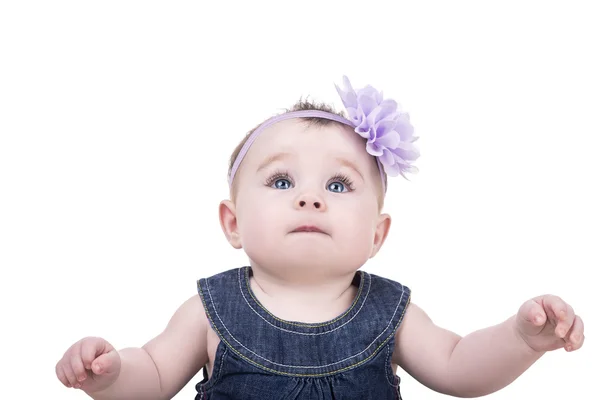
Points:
x=302 y=321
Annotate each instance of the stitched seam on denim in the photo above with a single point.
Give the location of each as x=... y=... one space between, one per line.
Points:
x=222 y=360
x=306 y=325
x=292 y=374
x=327 y=365
x=214 y=379
x=360 y=290
x=303 y=367
x=388 y=367
x=305 y=333
x=308 y=375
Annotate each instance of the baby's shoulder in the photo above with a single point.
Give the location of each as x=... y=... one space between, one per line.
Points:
x=190 y=314
x=385 y=299
x=387 y=286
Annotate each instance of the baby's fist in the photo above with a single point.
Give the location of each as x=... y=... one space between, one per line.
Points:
x=91 y=364
x=548 y=323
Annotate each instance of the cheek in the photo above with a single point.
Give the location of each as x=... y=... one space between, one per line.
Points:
x=258 y=220
x=359 y=233
x=261 y=231
x=355 y=225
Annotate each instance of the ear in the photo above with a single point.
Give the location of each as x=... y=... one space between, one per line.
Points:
x=381 y=232
x=228 y=220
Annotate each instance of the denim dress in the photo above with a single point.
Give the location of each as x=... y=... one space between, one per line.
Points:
x=262 y=357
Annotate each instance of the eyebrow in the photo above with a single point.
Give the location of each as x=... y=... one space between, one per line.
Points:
x=351 y=165
x=272 y=159
x=283 y=155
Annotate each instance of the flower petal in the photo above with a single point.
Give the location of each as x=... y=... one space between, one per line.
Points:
x=405 y=155
x=392 y=170
x=388 y=108
x=371 y=92
x=347 y=94
x=384 y=111
x=384 y=126
x=387 y=129
x=404 y=127
x=362 y=126
x=374 y=149
x=390 y=139
x=366 y=103
x=387 y=158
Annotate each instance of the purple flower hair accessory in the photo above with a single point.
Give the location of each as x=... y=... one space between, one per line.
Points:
x=387 y=130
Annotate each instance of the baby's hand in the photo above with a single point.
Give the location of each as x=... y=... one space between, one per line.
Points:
x=91 y=364
x=548 y=323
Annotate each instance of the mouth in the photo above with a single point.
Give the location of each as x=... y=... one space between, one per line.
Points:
x=308 y=229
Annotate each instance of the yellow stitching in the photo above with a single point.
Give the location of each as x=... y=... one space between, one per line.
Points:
x=301 y=375
x=360 y=289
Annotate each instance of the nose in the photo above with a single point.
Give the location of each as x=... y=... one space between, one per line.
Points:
x=310 y=202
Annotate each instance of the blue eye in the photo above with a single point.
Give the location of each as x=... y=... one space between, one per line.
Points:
x=280 y=180
x=340 y=183
x=282 y=184
x=337 y=187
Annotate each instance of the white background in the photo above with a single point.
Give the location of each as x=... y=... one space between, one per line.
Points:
x=117 y=119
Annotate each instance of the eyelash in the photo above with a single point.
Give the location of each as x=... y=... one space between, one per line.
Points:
x=280 y=174
x=343 y=179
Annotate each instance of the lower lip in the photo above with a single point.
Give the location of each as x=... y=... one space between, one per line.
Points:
x=308 y=232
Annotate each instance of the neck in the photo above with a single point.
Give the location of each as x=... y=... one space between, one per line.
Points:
x=310 y=300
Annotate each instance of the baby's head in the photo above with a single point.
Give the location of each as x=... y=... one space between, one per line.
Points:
x=306 y=197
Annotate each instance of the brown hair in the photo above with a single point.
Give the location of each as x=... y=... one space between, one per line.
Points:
x=300 y=105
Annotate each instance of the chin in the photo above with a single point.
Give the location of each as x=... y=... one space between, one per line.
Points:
x=314 y=262
x=307 y=255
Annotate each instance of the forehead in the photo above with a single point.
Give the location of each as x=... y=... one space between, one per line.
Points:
x=300 y=138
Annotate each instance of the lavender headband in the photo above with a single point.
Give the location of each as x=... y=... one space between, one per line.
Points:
x=387 y=130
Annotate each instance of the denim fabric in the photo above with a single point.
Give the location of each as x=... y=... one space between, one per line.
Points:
x=265 y=358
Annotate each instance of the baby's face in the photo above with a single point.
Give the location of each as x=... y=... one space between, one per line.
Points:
x=308 y=200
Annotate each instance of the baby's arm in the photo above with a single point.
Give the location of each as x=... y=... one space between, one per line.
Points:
x=476 y=365
x=488 y=359
x=179 y=352
x=163 y=366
